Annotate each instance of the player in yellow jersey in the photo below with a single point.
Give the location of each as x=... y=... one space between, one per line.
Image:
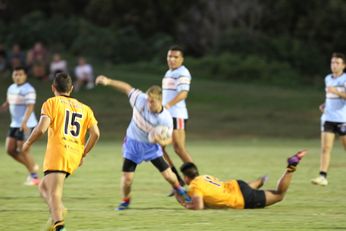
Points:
x=209 y=192
x=67 y=121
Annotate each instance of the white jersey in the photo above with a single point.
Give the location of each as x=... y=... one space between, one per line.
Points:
x=143 y=120
x=173 y=82
x=18 y=97
x=335 y=106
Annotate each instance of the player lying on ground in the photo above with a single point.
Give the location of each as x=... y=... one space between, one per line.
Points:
x=209 y=192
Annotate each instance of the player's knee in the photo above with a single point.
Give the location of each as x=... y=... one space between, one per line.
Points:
x=326 y=150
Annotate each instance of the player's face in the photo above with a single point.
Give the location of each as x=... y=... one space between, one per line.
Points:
x=19 y=77
x=337 y=65
x=154 y=104
x=174 y=59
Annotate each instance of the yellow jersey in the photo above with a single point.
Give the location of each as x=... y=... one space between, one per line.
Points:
x=216 y=193
x=69 y=122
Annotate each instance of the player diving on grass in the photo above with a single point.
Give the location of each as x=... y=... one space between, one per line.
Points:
x=148 y=113
x=209 y=192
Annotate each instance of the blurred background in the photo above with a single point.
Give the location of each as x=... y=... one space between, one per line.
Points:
x=257 y=66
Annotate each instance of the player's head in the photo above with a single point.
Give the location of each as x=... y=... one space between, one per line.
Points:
x=155 y=98
x=190 y=171
x=338 y=63
x=62 y=83
x=19 y=75
x=175 y=57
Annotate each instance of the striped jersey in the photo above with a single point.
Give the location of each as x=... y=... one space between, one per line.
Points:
x=335 y=106
x=18 y=97
x=173 y=82
x=143 y=120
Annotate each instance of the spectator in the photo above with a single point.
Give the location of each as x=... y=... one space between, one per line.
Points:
x=84 y=75
x=17 y=57
x=37 y=59
x=57 y=65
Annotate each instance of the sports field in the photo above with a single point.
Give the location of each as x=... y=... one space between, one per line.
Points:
x=91 y=194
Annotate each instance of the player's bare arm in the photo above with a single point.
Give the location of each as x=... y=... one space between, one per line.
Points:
x=117 y=84
x=94 y=135
x=28 y=111
x=4 y=106
x=39 y=130
x=179 y=97
x=196 y=203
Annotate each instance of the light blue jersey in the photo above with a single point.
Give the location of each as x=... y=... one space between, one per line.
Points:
x=18 y=97
x=335 y=106
x=143 y=120
x=173 y=82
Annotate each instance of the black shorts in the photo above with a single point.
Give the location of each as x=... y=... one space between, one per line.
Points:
x=18 y=134
x=179 y=123
x=334 y=127
x=56 y=171
x=159 y=163
x=253 y=198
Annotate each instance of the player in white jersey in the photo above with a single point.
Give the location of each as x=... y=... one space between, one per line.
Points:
x=333 y=120
x=148 y=113
x=21 y=97
x=175 y=89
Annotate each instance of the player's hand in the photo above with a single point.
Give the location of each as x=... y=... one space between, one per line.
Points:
x=321 y=107
x=163 y=142
x=332 y=90
x=179 y=198
x=3 y=107
x=103 y=80
x=24 y=127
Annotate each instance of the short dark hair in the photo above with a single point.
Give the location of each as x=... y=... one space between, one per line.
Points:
x=20 y=68
x=177 y=48
x=62 y=82
x=340 y=56
x=190 y=170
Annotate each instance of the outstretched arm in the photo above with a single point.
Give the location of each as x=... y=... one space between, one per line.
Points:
x=39 y=130
x=118 y=85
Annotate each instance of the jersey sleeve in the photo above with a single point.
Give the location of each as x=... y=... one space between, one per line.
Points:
x=91 y=120
x=184 y=81
x=30 y=96
x=47 y=109
x=137 y=99
x=194 y=190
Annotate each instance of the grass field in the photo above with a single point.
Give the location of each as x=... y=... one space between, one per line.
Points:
x=93 y=191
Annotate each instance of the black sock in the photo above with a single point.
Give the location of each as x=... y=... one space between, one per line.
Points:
x=181 y=181
x=324 y=174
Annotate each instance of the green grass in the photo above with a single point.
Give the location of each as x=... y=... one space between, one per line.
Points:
x=93 y=191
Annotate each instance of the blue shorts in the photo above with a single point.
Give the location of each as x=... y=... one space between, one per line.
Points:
x=139 y=151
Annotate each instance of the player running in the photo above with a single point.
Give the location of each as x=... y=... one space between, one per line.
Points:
x=67 y=121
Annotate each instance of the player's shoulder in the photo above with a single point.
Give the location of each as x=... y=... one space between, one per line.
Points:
x=183 y=71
